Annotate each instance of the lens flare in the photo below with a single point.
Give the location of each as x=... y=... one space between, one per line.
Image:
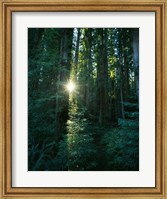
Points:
x=70 y=86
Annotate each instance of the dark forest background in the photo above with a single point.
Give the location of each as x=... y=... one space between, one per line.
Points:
x=96 y=126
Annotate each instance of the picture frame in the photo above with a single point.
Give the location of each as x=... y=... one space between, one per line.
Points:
x=7 y=7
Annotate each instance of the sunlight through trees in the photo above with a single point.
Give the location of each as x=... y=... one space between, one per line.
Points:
x=83 y=99
x=71 y=86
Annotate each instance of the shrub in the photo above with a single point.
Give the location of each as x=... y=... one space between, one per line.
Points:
x=122 y=149
x=77 y=150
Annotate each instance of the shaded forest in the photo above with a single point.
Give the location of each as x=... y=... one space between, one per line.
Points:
x=83 y=99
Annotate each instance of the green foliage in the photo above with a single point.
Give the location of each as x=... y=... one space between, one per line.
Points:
x=131 y=105
x=74 y=131
x=122 y=149
x=131 y=115
x=128 y=123
x=41 y=157
x=77 y=150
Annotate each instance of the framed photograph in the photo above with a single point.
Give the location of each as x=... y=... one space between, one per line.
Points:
x=83 y=99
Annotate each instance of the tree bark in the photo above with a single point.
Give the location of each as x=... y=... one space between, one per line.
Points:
x=102 y=71
x=135 y=46
x=77 y=53
x=121 y=92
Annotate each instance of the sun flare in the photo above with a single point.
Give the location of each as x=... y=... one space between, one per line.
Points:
x=71 y=86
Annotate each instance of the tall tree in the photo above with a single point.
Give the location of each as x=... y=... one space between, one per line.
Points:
x=135 y=45
x=81 y=125
x=102 y=75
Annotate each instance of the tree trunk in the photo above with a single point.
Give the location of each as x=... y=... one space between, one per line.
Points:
x=135 y=46
x=126 y=69
x=89 y=66
x=102 y=71
x=76 y=53
x=62 y=76
x=121 y=93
